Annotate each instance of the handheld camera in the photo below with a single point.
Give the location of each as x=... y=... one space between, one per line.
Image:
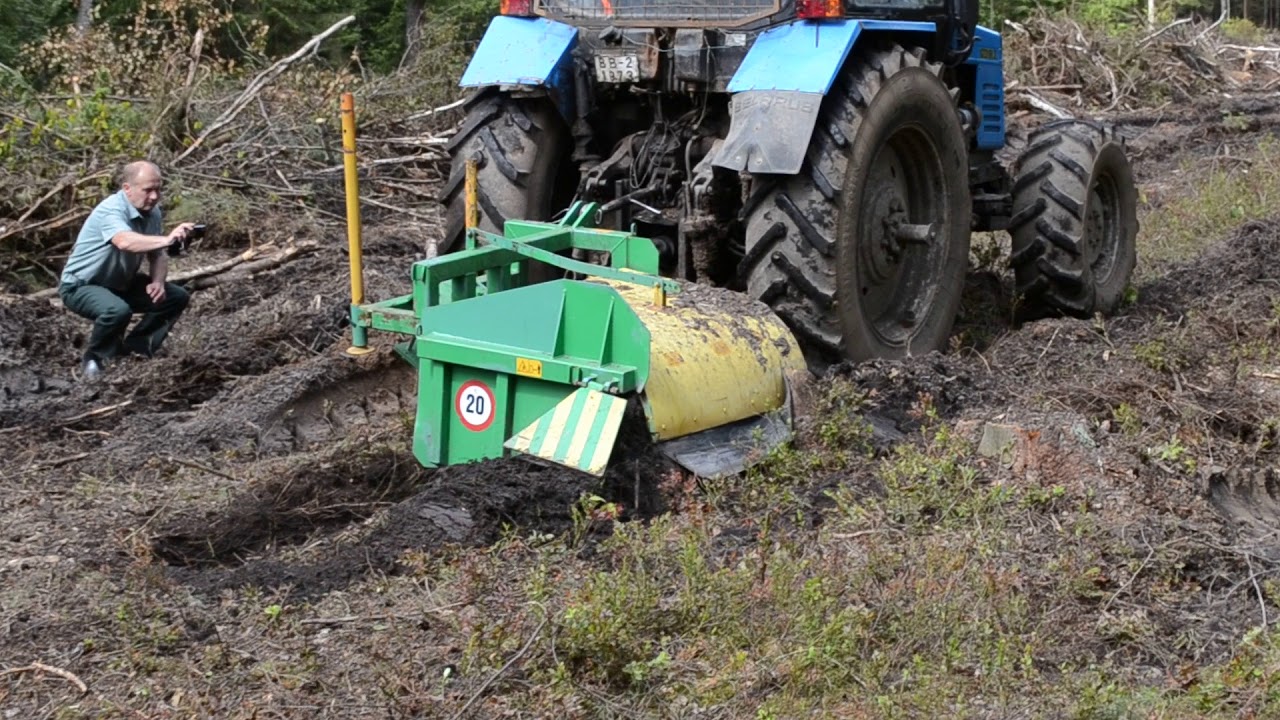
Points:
x=180 y=246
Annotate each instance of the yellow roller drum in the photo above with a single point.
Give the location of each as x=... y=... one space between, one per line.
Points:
x=716 y=357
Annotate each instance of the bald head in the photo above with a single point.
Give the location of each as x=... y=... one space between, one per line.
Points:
x=134 y=169
x=142 y=184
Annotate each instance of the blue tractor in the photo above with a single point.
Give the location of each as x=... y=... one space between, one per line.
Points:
x=830 y=158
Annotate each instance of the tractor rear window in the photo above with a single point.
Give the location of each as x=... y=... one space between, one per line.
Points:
x=899 y=4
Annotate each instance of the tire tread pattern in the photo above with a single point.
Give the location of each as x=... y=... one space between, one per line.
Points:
x=1051 y=189
x=792 y=268
x=507 y=137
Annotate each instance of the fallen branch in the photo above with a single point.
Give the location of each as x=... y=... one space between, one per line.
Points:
x=262 y=80
x=1143 y=42
x=1043 y=105
x=62 y=461
x=268 y=263
x=385 y=161
x=223 y=266
x=1252 y=48
x=400 y=210
x=41 y=667
x=67 y=218
x=1015 y=85
x=107 y=410
x=205 y=468
x=536 y=632
x=69 y=182
x=433 y=111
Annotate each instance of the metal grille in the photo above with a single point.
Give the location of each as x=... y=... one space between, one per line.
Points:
x=671 y=13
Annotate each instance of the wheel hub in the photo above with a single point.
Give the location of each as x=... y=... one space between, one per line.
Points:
x=882 y=255
x=1102 y=228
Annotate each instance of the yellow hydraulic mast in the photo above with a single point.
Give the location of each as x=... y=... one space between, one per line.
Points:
x=359 y=335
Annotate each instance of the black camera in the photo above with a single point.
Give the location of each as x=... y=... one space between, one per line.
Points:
x=180 y=246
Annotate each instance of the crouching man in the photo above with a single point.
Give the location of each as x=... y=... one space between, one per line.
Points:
x=101 y=280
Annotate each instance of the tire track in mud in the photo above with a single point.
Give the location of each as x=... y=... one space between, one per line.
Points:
x=320 y=518
x=423 y=510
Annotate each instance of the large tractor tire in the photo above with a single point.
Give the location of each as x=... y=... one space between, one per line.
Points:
x=1075 y=221
x=826 y=248
x=519 y=145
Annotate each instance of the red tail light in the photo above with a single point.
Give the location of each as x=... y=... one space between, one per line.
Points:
x=819 y=9
x=520 y=8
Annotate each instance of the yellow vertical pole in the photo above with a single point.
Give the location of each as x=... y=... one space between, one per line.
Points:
x=359 y=334
x=472 y=189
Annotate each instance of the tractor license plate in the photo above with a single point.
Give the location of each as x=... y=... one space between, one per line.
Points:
x=618 y=68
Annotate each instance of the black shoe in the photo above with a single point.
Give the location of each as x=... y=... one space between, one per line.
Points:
x=135 y=347
x=92 y=370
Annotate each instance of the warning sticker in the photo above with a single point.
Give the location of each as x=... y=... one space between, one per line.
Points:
x=474 y=405
x=529 y=368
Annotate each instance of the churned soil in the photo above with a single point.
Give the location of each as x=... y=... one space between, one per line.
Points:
x=255 y=453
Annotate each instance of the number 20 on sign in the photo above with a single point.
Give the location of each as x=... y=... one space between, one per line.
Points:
x=474 y=405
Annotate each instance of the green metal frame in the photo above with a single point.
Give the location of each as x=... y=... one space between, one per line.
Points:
x=491 y=263
x=474 y=317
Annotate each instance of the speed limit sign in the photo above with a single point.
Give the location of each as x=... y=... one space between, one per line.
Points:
x=474 y=405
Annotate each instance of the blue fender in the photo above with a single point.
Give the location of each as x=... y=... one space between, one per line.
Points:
x=806 y=55
x=778 y=89
x=987 y=58
x=526 y=51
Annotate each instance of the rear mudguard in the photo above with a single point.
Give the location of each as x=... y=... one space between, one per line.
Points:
x=778 y=89
x=526 y=51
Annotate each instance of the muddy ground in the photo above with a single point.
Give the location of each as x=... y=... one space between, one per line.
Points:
x=255 y=454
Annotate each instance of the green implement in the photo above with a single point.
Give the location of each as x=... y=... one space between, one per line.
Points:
x=549 y=369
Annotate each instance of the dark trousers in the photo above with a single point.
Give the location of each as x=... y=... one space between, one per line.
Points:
x=111 y=312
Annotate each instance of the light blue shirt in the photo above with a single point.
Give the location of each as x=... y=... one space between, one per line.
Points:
x=94 y=260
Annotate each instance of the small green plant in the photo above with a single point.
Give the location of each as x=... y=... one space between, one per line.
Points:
x=1236 y=122
x=1158 y=355
x=642 y=672
x=1171 y=451
x=1042 y=498
x=936 y=484
x=1176 y=453
x=589 y=512
x=1127 y=419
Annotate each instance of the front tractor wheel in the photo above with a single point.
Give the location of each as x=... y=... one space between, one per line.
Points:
x=1075 y=222
x=519 y=145
x=864 y=253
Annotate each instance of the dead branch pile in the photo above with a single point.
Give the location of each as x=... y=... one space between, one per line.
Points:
x=1057 y=67
x=258 y=158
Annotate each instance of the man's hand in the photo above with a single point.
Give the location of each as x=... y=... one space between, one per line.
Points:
x=180 y=233
x=155 y=291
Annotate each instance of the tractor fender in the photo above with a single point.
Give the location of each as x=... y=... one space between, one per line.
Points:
x=778 y=89
x=987 y=60
x=534 y=52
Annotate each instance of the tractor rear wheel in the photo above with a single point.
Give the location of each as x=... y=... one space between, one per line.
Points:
x=519 y=145
x=1075 y=223
x=864 y=253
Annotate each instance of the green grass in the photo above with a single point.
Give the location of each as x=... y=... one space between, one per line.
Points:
x=924 y=591
x=912 y=587
x=1216 y=196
